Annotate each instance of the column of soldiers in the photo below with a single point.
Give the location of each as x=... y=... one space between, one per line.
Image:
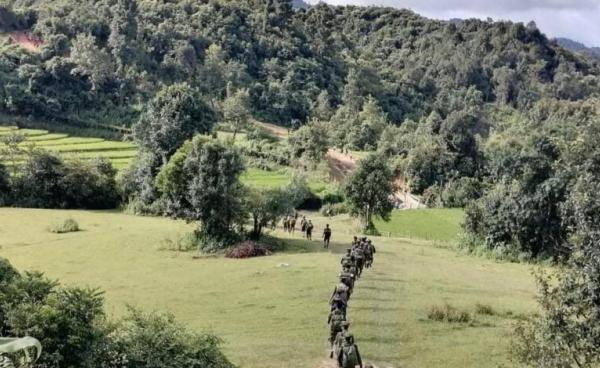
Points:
x=341 y=340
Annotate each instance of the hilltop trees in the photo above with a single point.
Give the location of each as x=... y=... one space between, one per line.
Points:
x=369 y=189
x=176 y=114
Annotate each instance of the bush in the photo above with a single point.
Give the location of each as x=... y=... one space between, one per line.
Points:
x=448 y=313
x=47 y=181
x=460 y=192
x=484 y=309
x=182 y=242
x=74 y=332
x=67 y=226
x=248 y=249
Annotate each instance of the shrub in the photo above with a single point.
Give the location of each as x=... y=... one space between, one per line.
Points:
x=248 y=249
x=448 y=313
x=460 y=192
x=484 y=309
x=74 y=331
x=182 y=242
x=47 y=181
x=67 y=226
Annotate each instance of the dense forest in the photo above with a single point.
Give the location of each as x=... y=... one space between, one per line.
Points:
x=100 y=60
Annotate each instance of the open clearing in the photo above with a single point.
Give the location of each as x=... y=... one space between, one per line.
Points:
x=272 y=316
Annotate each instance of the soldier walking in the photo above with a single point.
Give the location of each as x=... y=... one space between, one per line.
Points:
x=326 y=236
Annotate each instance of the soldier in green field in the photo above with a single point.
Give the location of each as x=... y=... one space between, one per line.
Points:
x=347 y=258
x=349 y=356
x=326 y=236
x=339 y=340
x=342 y=290
x=309 y=229
x=335 y=319
x=359 y=259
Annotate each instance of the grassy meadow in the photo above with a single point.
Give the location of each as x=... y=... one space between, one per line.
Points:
x=441 y=225
x=272 y=311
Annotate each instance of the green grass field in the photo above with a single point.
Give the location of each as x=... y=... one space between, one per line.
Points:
x=272 y=316
x=431 y=224
x=120 y=153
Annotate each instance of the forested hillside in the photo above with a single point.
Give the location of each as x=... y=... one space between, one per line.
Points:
x=100 y=60
x=492 y=115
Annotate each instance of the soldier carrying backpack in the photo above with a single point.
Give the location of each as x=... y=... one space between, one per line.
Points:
x=349 y=356
x=335 y=320
x=342 y=290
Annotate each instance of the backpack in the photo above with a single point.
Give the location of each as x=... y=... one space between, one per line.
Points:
x=336 y=321
x=349 y=356
x=327 y=231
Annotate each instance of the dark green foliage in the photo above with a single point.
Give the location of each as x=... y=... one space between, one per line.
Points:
x=295 y=64
x=565 y=334
x=72 y=327
x=215 y=192
x=369 y=189
x=201 y=183
x=267 y=207
x=175 y=115
x=158 y=341
x=309 y=143
x=5 y=187
x=47 y=181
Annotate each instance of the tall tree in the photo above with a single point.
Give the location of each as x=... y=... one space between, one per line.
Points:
x=175 y=114
x=215 y=191
x=567 y=331
x=123 y=33
x=236 y=109
x=369 y=190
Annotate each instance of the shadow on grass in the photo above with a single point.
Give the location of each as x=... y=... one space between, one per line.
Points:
x=376 y=309
x=301 y=245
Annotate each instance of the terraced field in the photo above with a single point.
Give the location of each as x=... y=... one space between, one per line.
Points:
x=119 y=153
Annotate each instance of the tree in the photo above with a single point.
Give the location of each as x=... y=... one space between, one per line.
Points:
x=123 y=33
x=566 y=333
x=5 y=187
x=215 y=192
x=12 y=148
x=236 y=109
x=369 y=189
x=175 y=114
x=309 y=142
x=91 y=61
x=266 y=206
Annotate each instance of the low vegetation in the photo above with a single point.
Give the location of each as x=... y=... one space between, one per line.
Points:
x=448 y=313
x=73 y=329
x=67 y=226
